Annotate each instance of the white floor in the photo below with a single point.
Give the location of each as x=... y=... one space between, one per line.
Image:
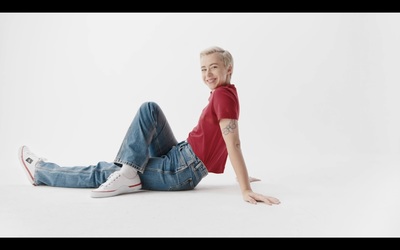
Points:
x=322 y=196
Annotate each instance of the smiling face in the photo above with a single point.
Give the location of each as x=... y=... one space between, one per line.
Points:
x=214 y=72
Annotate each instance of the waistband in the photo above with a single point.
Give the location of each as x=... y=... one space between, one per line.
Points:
x=187 y=152
x=182 y=143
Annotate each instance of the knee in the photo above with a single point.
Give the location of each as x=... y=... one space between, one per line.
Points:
x=149 y=106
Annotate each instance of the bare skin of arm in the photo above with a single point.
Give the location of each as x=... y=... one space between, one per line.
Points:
x=230 y=133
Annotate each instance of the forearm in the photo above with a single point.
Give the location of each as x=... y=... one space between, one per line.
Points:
x=230 y=132
x=239 y=166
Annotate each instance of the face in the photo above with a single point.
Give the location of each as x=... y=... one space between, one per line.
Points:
x=213 y=71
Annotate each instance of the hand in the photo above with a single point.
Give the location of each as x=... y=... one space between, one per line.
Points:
x=253 y=198
x=252 y=179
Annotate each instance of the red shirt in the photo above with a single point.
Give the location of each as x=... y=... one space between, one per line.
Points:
x=206 y=138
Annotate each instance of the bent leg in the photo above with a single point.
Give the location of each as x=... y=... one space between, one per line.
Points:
x=149 y=135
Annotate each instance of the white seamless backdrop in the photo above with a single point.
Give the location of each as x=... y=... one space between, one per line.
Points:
x=311 y=85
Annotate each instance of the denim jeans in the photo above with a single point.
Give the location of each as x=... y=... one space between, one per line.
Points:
x=149 y=146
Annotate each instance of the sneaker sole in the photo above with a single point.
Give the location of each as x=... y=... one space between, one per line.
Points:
x=121 y=190
x=26 y=169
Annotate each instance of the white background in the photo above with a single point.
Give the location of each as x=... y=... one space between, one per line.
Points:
x=319 y=92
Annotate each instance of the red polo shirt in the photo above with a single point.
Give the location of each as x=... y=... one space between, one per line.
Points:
x=206 y=138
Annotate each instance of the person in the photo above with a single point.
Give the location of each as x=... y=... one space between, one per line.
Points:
x=151 y=158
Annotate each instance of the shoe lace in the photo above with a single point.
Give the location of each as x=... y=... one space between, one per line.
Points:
x=111 y=178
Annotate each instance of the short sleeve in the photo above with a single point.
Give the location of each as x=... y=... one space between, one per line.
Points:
x=226 y=104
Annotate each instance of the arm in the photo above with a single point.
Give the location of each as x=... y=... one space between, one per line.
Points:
x=230 y=133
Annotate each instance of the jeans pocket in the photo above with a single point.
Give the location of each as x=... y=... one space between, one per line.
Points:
x=199 y=171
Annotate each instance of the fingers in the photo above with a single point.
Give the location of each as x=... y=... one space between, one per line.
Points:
x=273 y=201
x=252 y=201
x=251 y=179
x=269 y=200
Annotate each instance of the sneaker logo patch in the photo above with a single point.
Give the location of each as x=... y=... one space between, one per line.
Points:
x=29 y=160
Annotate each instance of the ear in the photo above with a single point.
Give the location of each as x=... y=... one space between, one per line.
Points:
x=230 y=69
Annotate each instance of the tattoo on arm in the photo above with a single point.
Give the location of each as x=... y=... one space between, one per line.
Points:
x=229 y=128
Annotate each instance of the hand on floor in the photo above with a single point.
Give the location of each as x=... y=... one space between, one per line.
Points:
x=252 y=179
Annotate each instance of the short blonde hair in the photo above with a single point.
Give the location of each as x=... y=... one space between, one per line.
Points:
x=225 y=55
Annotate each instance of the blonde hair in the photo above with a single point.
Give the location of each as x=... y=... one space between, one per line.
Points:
x=225 y=56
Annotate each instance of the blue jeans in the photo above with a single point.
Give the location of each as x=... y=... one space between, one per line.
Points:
x=149 y=146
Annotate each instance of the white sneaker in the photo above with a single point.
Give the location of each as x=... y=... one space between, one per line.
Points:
x=28 y=161
x=117 y=184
